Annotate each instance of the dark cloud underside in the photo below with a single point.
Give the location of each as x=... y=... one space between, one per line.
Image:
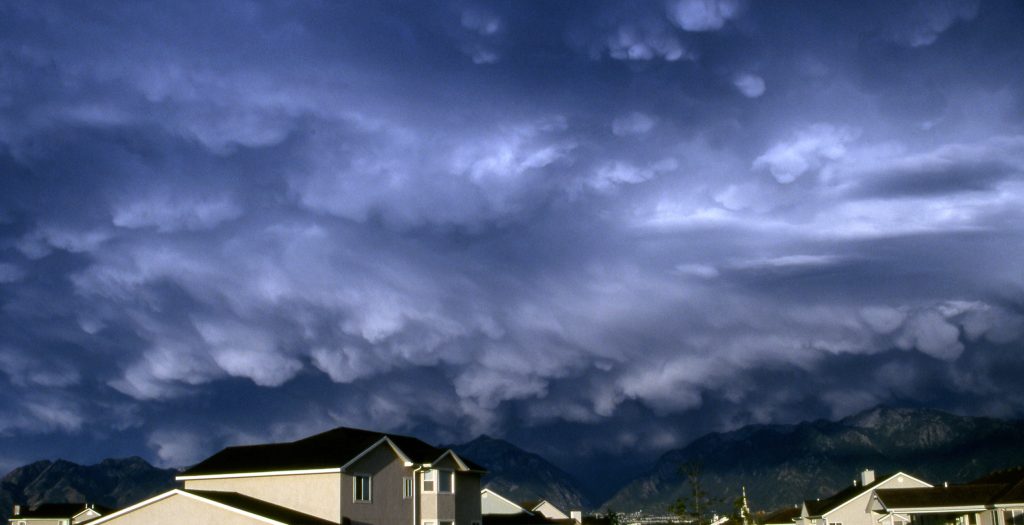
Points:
x=621 y=225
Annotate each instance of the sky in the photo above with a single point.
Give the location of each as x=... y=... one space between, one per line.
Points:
x=596 y=229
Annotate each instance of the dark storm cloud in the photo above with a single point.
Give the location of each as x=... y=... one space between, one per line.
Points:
x=260 y=220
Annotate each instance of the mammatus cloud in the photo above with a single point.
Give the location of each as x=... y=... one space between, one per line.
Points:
x=703 y=15
x=522 y=220
x=750 y=85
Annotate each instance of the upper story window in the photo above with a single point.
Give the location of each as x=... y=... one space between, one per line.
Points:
x=428 y=480
x=407 y=488
x=445 y=481
x=362 y=488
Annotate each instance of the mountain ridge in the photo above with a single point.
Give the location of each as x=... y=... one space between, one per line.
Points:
x=783 y=464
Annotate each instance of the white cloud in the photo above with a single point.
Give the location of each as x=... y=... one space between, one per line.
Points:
x=925 y=21
x=703 y=15
x=808 y=151
x=749 y=84
x=634 y=123
x=642 y=43
x=171 y=213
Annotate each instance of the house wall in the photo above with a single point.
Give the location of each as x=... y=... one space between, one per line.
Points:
x=386 y=505
x=318 y=495
x=858 y=510
x=491 y=504
x=467 y=498
x=86 y=516
x=178 y=509
x=551 y=511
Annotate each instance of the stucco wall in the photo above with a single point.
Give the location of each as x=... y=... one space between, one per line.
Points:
x=315 y=494
x=491 y=504
x=178 y=509
x=387 y=507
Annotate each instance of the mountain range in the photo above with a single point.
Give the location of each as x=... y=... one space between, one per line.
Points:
x=782 y=465
x=779 y=465
x=113 y=483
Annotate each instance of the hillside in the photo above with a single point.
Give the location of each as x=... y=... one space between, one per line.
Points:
x=112 y=482
x=784 y=464
x=521 y=475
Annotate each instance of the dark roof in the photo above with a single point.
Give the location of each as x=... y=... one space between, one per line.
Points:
x=530 y=504
x=260 y=507
x=819 y=507
x=522 y=518
x=783 y=515
x=60 y=510
x=951 y=496
x=330 y=449
x=1000 y=487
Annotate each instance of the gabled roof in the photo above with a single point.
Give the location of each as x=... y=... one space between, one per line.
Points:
x=503 y=498
x=1002 y=487
x=523 y=518
x=783 y=515
x=260 y=507
x=231 y=501
x=53 y=510
x=333 y=449
x=60 y=510
x=824 y=506
x=952 y=496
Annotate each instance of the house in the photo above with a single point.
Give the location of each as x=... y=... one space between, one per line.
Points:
x=345 y=475
x=995 y=499
x=57 y=514
x=499 y=510
x=852 y=505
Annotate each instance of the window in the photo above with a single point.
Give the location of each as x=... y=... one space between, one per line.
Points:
x=428 y=484
x=1013 y=517
x=446 y=522
x=406 y=488
x=835 y=523
x=362 y=488
x=445 y=481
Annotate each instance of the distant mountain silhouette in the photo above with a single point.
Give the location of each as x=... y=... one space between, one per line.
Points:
x=784 y=464
x=521 y=475
x=112 y=482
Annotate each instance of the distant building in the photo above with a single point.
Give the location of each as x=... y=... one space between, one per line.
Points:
x=57 y=514
x=499 y=510
x=852 y=505
x=346 y=475
x=995 y=499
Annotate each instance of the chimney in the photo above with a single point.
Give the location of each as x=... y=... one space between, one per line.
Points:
x=867 y=477
x=17 y=510
x=576 y=515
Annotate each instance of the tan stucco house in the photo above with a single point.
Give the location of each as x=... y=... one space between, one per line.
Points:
x=995 y=499
x=852 y=505
x=343 y=476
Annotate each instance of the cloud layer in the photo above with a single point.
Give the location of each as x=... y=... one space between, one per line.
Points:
x=585 y=219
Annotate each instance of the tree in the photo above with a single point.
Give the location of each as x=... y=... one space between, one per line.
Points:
x=696 y=505
x=611 y=516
